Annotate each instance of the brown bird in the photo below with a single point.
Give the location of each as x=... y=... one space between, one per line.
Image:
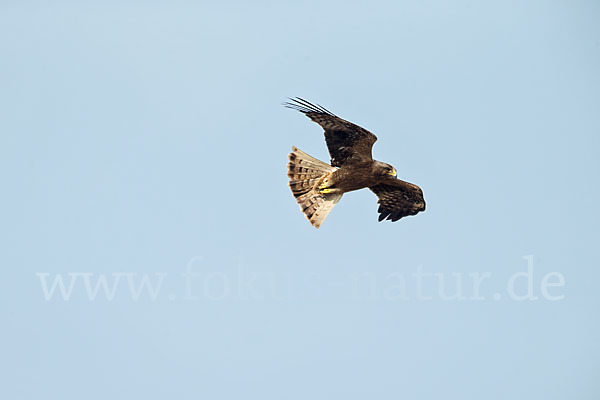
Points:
x=318 y=186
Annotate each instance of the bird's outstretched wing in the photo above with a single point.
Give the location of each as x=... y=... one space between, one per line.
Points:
x=398 y=199
x=347 y=143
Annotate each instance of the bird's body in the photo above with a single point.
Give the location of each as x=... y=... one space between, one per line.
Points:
x=355 y=177
x=318 y=186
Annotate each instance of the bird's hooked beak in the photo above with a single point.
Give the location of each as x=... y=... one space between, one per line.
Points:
x=393 y=172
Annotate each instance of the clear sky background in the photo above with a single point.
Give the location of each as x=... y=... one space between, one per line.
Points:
x=147 y=139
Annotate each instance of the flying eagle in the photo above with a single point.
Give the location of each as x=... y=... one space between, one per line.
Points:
x=318 y=186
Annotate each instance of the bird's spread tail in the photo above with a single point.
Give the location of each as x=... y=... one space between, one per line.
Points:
x=306 y=173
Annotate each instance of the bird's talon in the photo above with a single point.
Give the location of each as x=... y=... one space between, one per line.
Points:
x=323 y=185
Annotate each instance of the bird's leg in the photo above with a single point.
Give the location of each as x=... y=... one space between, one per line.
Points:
x=325 y=188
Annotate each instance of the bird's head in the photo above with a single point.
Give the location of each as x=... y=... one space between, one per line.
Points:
x=384 y=169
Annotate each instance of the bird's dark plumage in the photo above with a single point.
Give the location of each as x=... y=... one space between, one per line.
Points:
x=398 y=199
x=347 y=143
x=318 y=186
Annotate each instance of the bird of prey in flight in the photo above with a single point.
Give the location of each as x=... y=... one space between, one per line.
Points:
x=318 y=186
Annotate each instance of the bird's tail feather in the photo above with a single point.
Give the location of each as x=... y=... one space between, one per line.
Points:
x=306 y=173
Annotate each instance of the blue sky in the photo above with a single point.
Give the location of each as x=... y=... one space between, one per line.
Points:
x=144 y=146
